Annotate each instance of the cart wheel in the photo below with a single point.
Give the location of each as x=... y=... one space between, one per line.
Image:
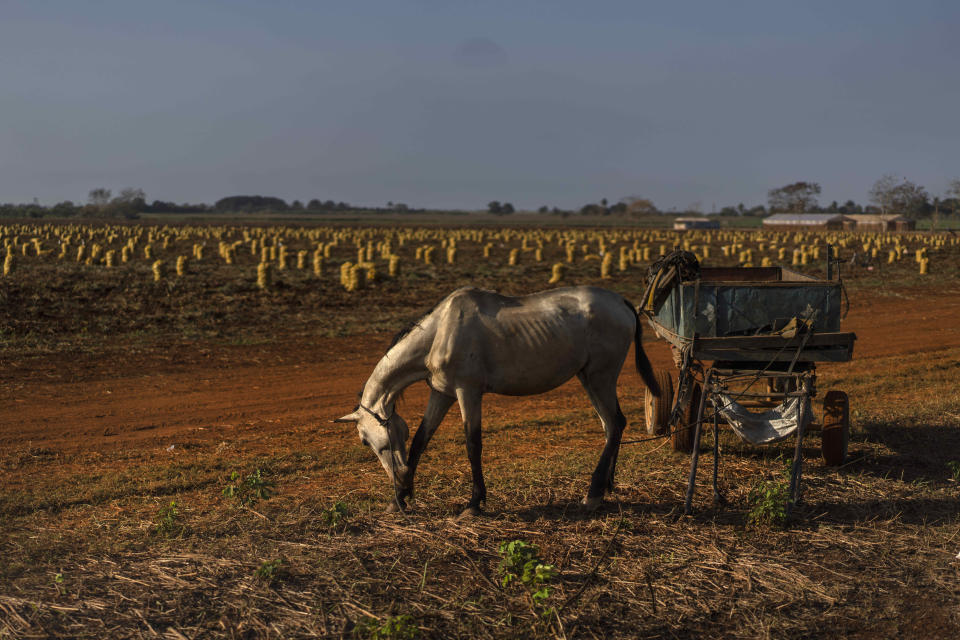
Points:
x=682 y=436
x=656 y=411
x=836 y=427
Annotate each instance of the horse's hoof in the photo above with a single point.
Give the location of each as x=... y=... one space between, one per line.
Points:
x=392 y=507
x=469 y=512
x=592 y=504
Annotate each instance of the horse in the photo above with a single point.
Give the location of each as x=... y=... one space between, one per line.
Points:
x=475 y=342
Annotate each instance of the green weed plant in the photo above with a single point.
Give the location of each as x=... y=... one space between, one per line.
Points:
x=402 y=627
x=249 y=490
x=335 y=516
x=768 y=501
x=954 y=467
x=166 y=523
x=521 y=563
x=272 y=570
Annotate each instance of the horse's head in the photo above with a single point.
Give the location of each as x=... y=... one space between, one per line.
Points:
x=386 y=435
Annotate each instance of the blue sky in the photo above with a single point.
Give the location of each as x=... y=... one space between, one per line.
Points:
x=454 y=104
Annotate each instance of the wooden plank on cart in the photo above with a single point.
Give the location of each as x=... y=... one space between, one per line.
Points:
x=819 y=347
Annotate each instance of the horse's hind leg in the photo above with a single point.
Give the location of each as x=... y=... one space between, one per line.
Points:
x=469 y=400
x=602 y=390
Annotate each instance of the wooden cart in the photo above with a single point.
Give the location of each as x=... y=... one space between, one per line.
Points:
x=753 y=334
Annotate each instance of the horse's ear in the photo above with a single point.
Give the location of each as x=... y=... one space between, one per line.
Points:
x=350 y=417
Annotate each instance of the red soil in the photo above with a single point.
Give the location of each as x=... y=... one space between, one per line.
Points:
x=150 y=399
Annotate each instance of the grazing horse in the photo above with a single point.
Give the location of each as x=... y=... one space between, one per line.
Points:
x=476 y=342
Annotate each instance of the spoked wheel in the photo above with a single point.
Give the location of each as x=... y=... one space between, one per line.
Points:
x=682 y=436
x=656 y=411
x=836 y=427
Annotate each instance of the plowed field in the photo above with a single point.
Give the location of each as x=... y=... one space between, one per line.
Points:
x=194 y=486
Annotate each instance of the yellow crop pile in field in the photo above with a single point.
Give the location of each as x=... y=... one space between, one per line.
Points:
x=493 y=257
x=264 y=275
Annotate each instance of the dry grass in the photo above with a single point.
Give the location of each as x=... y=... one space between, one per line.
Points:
x=870 y=552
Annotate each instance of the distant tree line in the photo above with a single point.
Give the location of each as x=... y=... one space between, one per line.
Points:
x=889 y=194
x=131 y=203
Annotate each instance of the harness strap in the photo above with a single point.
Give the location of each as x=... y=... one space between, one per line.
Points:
x=383 y=421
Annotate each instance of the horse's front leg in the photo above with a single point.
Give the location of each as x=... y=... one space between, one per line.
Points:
x=469 y=400
x=437 y=408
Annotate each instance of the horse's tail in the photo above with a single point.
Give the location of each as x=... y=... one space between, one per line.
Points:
x=644 y=368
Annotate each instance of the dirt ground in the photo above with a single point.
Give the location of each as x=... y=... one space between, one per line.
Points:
x=95 y=444
x=156 y=398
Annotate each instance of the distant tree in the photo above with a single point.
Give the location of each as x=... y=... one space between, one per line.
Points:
x=543 y=209
x=159 y=206
x=494 y=207
x=314 y=205
x=729 y=211
x=506 y=209
x=99 y=197
x=296 y=205
x=250 y=203
x=131 y=195
x=794 y=198
x=849 y=207
x=901 y=197
x=64 y=209
x=593 y=209
x=881 y=193
x=936 y=214
x=128 y=204
x=637 y=206
x=953 y=193
x=401 y=207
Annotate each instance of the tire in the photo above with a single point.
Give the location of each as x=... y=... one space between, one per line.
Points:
x=683 y=433
x=656 y=411
x=836 y=428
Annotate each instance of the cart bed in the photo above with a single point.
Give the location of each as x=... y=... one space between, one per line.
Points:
x=733 y=314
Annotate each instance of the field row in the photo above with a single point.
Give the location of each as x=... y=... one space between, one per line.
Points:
x=361 y=255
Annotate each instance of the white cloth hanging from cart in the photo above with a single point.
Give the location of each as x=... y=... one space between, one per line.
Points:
x=763 y=428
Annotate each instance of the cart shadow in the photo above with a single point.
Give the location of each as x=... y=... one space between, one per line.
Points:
x=919 y=454
x=925 y=511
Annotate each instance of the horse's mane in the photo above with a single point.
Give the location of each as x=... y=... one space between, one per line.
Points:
x=400 y=335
